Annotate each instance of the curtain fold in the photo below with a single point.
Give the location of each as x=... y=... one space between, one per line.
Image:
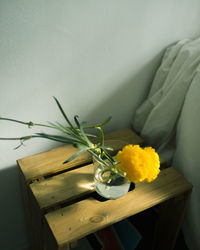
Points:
x=169 y=120
x=156 y=119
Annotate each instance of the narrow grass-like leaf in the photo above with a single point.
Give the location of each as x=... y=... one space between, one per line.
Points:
x=109 y=157
x=76 y=121
x=97 y=157
x=57 y=127
x=106 y=147
x=90 y=144
x=81 y=131
x=90 y=135
x=76 y=155
x=65 y=130
x=105 y=122
x=99 y=125
x=70 y=131
x=74 y=134
x=63 y=113
x=101 y=136
x=81 y=146
x=59 y=138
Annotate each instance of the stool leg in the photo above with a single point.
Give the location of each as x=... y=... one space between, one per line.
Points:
x=32 y=216
x=170 y=218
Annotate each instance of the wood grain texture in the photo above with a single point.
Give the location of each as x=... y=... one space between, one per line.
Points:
x=170 y=218
x=32 y=216
x=49 y=187
x=75 y=221
x=49 y=162
x=64 y=187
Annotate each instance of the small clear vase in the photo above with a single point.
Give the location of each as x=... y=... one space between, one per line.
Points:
x=109 y=183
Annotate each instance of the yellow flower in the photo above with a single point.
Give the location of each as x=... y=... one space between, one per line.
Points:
x=140 y=165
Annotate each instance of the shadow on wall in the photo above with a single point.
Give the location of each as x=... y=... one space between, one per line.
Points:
x=13 y=236
x=121 y=105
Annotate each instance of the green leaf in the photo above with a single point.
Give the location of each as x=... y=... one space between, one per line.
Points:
x=101 y=135
x=105 y=122
x=109 y=157
x=90 y=135
x=76 y=155
x=59 y=138
x=63 y=113
x=106 y=147
x=81 y=146
x=99 y=125
x=61 y=128
x=97 y=157
x=76 y=121
x=81 y=132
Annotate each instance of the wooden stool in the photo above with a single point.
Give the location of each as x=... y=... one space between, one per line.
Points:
x=61 y=206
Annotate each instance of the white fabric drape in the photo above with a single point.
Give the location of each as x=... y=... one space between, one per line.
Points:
x=156 y=119
x=169 y=120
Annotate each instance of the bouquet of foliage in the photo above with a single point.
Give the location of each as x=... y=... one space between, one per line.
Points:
x=133 y=162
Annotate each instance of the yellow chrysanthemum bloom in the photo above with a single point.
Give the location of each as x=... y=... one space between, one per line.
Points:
x=140 y=165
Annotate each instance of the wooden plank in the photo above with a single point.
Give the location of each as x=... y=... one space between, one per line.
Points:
x=49 y=162
x=64 y=187
x=75 y=221
x=170 y=218
x=49 y=241
x=32 y=216
x=25 y=197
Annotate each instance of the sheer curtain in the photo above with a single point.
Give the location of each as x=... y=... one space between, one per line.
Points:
x=169 y=120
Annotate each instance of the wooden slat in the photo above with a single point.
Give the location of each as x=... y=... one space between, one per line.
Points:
x=64 y=187
x=32 y=216
x=49 y=162
x=170 y=217
x=87 y=216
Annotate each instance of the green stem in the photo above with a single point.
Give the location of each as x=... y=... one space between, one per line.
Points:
x=30 y=124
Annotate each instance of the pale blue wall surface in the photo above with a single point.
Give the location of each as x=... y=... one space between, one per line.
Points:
x=97 y=57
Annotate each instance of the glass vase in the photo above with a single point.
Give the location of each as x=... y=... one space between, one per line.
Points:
x=109 y=183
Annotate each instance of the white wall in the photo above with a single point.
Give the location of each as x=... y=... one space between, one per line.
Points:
x=97 y=57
